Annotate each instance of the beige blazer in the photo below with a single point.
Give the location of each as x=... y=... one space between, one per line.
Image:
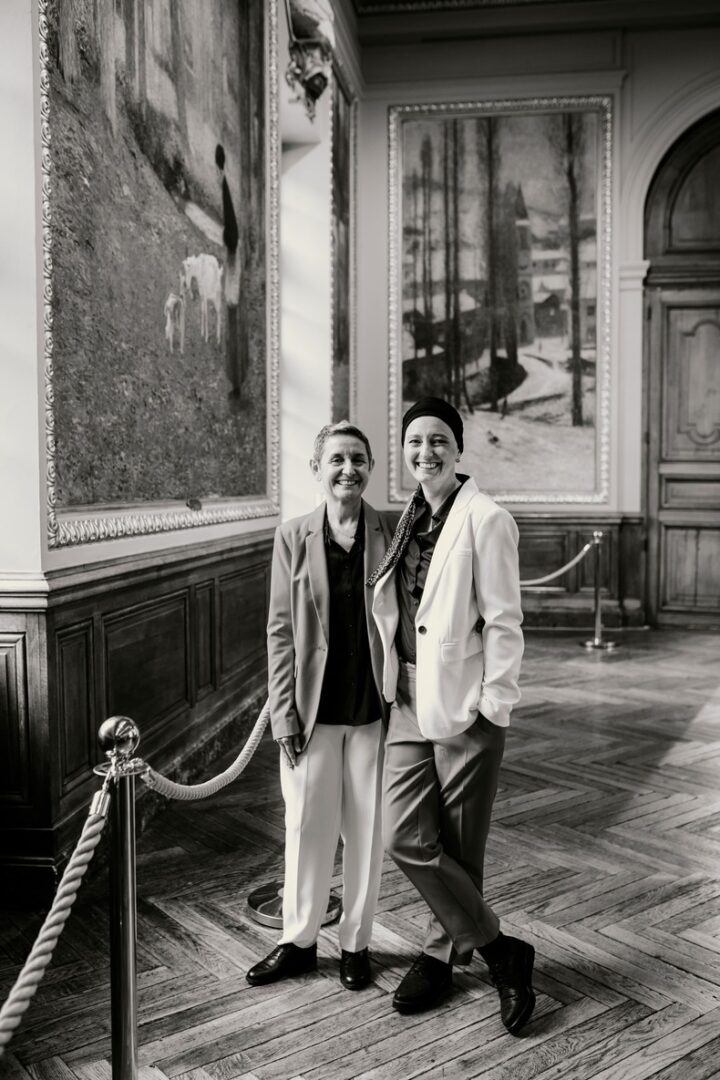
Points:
x=469 y=641
x=299 y=617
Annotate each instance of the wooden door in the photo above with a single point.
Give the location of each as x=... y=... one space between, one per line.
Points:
x=683 y=381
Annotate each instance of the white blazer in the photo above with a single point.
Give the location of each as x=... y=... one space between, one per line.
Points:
x=469 y=641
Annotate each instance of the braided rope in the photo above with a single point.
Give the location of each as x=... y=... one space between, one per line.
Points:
x=556 y=573
x=189 y=792
x=33 y=970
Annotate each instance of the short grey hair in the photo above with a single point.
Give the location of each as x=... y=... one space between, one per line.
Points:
x=342 y=427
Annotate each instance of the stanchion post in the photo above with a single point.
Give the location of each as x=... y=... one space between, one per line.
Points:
x=597 y=641
x=119 y=736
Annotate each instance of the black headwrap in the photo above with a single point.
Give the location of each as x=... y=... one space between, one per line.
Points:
x=443 y=410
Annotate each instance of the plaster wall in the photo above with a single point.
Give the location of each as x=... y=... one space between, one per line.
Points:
x=661 y=81
x=20 y=480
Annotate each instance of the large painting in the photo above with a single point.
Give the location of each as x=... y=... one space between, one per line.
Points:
x=499 y=288
x=343 y=115
x=161 y=238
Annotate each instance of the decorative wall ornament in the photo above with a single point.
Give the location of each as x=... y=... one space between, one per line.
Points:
x=500 y=219
x=160 y=174
x=312 y=41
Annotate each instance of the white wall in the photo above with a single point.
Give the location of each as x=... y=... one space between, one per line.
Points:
x=661 y=81
x=305 y=273
x=20 y=480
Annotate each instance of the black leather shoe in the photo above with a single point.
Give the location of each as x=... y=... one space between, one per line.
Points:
x=511 y=974
x=282 y=963
x=355 y=969
x=424 y=984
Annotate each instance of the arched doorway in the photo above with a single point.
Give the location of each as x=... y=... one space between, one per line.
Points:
x=682 y=365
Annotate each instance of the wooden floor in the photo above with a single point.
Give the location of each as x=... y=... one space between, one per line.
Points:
x=605 y=853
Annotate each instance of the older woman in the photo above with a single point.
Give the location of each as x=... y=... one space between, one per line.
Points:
x=325 y=664
x=447 y=604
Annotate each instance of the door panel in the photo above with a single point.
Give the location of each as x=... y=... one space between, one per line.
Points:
x=691 y=569
x=682 y=356
x=692 y=382
x=684 y=455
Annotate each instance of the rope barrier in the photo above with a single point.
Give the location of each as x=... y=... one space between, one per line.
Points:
x=40 y=956
x=189 y=792
x=563 y=569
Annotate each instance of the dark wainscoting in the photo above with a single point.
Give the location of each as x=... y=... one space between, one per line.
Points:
x=548 y=541
x=176 y=641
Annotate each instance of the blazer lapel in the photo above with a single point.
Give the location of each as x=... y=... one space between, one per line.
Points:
x=448 y=537
x=374 y=551
x=317 y=570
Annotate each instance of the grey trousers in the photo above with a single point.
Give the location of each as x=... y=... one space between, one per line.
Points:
x=437 y=802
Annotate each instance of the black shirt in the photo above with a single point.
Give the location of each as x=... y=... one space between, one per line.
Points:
x=413 y=569
x=348 y=694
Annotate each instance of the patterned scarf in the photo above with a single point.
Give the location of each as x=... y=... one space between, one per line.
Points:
x=400 y=540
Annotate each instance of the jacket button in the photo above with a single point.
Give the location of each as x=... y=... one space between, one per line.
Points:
x=422 y=630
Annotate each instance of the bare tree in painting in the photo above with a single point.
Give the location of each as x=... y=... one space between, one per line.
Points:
x=567 y=138
x=415 y=250
x=447 y=252
x=487 y=139
x=68 y=54
x=511 y=209
x=176 y=37
x=106 y=47
x=426 y=167
x=458 y=340
x=453 y=160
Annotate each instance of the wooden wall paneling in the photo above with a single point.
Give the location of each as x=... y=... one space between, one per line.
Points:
x=541 y=550
x=14 y=721
x=177 y=641
x=547 y=542
x=243 y=618
x=75 y=703
x=146 y=649
x=684 y=492
x=690 y=561
x=632 y=570
x=205 y=638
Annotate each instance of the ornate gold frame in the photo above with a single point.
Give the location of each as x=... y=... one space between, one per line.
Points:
x=87 y=525
x=604 y=106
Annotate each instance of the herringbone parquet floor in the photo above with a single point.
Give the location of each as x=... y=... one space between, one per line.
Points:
x=605 y=852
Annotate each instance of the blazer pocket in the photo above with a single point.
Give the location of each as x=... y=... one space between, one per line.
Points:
x=460 y=650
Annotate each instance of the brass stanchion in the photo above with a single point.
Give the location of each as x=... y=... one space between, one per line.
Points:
x=597 y=642
x=119 y=737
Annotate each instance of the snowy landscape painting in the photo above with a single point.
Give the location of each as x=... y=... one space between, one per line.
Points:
x=498 y=287
x=158 y=215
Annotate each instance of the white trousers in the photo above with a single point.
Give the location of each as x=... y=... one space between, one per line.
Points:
x=333 y=791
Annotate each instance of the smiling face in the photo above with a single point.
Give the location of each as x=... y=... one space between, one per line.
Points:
x=344 y=469
x=431 y=453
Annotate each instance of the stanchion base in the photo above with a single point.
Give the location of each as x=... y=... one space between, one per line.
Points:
x=265 y=905
x=603 y=646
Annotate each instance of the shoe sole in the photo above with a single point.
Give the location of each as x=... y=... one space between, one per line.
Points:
x=521 y=1020
x=265 y=980
x=408 y=1007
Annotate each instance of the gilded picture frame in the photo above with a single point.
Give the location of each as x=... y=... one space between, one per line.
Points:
x=169 y=195
x=500 y=258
